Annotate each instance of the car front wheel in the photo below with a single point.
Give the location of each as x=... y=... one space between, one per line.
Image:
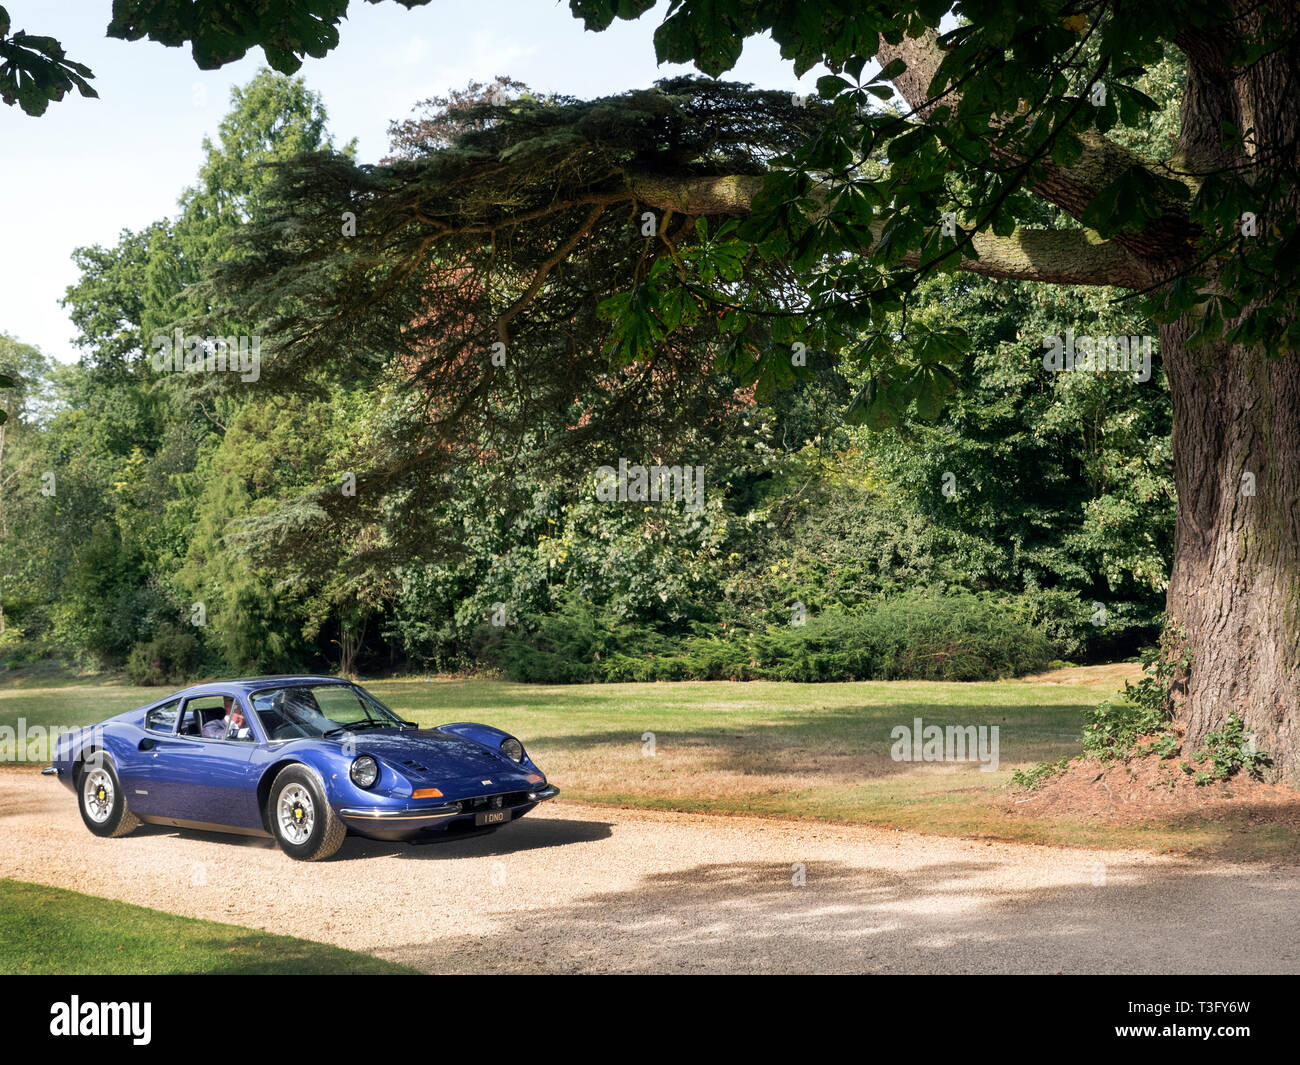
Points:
x=304 y=824
x=102 y=802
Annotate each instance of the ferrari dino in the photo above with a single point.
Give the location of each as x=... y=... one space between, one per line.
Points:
x=302 y=759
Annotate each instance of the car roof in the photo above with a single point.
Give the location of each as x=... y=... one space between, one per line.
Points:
x=245 y=685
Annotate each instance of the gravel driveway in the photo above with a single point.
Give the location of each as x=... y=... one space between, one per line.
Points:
x=574 y=888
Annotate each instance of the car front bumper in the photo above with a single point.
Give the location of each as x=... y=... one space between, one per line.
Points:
x=413 y=822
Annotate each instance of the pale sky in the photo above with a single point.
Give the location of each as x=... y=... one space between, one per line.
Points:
x=87 y=169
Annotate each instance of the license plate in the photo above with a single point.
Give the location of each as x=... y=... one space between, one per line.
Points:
x=492 y=817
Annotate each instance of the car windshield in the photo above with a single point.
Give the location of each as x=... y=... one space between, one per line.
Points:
x=315 y=710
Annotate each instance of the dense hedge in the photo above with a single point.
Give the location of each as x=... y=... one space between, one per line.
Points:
x=170 y=658
x=912 y=637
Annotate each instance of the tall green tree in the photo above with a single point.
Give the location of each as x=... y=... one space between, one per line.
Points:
x=23 y=406
x=125 y=441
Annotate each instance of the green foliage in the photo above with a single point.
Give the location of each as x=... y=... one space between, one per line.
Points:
x=1057 y=489
x=1032 y=779
x=106 y=600
x=821 y=533
x=1164 y=747
x=170 y=495
x=1229 y=751
x=1113 y=726
x=572 y=645
x=1111 y=731
x=172 y=657
x=222 y=31
x=914 y=637
x=657 y=566
x=1013 y=82
x=254 y=622
x=116 y=557
x=35 y=70
x=146 y=283
x=1065 y=487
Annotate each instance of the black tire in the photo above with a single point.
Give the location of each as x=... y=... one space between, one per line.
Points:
x=101 y=800
x=296 y=796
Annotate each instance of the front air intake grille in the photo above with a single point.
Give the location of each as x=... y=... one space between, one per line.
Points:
x=494 y=802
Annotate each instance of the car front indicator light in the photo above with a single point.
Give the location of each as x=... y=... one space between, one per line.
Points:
x=426 y=793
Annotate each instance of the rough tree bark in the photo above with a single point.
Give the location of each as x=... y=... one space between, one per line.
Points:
x=1235 y=586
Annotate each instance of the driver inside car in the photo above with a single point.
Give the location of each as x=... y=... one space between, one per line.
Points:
x=232 y=726
x=235 y=722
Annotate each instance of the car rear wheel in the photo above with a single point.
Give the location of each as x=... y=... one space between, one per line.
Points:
x=303 y=822
x=102 y=802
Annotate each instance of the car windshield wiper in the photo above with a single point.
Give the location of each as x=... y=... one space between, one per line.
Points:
x=358 y=726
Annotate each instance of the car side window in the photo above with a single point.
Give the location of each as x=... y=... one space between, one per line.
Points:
x=215 y=717
x=162 y=718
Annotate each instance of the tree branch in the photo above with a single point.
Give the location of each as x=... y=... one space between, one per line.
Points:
x=1060 y=257
x=1069 y=188
x=557 y=257
x=721 y=194
x=1052 y=256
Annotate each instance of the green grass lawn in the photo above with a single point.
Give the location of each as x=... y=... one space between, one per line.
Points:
x=47 y=930
x=763 y=747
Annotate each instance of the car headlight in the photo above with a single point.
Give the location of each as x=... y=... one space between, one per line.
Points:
x=365 y=771
x=512 y=749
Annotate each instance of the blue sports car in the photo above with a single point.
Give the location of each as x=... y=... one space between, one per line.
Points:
x=302 y=759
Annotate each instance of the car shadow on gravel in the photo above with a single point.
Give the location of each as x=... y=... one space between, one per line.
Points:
x=233 y=839
x=522 y=835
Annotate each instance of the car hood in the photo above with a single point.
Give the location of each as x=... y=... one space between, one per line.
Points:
x=432 y=755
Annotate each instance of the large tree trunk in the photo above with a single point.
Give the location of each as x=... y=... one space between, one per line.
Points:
x=1235 y=586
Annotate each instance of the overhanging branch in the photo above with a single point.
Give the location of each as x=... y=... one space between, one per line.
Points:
x=1052 y=256
x=1059 y=257
x=1070 y=188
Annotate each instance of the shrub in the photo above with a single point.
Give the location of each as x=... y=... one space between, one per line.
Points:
x=171 y=657
x=913 y=637
x=17 y=650
x=573 y=646
x=1035 y=778
x=1229 y=751
x=1112 y=729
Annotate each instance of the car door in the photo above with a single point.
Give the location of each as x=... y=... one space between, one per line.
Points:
x=145 y=791
x=206 y=779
